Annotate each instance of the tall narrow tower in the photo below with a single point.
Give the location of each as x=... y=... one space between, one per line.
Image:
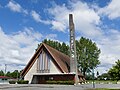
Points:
x=73 y=60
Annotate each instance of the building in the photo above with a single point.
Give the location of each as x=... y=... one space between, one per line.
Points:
x=48 y=64
x=4 y=79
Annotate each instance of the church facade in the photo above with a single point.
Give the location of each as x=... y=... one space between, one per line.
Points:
x=49 y=64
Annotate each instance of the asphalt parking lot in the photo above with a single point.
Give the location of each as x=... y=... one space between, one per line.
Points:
x=55 y=87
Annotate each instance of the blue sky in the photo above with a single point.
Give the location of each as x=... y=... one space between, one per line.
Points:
x=25 y=23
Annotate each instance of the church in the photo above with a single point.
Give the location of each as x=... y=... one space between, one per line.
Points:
x=49 y=64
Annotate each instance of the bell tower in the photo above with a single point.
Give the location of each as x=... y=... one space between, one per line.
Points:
x=73 y=60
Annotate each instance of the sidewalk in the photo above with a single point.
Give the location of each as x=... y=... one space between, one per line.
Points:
x=60 y=87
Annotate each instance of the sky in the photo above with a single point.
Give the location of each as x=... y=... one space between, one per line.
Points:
x=26 y=23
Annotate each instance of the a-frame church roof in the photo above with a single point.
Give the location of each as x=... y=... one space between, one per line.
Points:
x=62 y=61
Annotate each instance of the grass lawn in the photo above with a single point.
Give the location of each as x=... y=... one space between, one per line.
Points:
x=103 y=82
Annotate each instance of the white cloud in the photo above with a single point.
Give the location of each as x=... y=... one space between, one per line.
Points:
x=58 y=26
x=110 y=49
x=12 y=5
x=18 y=48
x=109 y=44
x=35 y=16
x=87 y=21
x=27 y=36
x=85 y=18
x=51 y=36
x=112 y=10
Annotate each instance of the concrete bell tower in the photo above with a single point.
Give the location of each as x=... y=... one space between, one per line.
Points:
x=73 y=60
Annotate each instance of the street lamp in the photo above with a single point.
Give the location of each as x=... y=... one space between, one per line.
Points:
x=93 y=78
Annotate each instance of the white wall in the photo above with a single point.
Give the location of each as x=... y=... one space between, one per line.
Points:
x=32 y=70
x=53 y=68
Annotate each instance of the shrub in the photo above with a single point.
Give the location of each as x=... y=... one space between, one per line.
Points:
x=60 y=82
x=12 y=82
x=23 y=82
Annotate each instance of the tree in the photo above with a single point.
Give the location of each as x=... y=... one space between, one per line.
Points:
x=87 y=55
x=14 y=74
x=104 y=76
x=114 y=72
x=8 y=74
x=97 y=73
x=62 y=47
x=1 y=73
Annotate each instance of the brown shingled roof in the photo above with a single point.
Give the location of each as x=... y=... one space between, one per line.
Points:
x=62 y=60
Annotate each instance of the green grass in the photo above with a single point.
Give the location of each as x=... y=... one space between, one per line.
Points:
x=103 y=81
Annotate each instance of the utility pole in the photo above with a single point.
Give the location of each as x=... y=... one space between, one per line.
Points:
x=5 y=71
x=5 y=68
x=73 y=59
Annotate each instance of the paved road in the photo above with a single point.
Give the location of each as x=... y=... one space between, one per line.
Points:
x=55 y=87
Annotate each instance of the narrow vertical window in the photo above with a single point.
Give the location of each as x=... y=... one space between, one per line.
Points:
x=46 y=62
x=40 y=58
x=43 y=60
x=49 y=62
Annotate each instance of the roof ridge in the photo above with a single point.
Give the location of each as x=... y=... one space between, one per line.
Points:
x=55 y=49
x=60 y=58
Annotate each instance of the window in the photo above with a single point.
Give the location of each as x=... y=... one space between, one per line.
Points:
x=44 y=62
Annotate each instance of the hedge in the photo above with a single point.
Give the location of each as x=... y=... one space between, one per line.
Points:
x=12 y=82
x=23 y=82
x=61 y=82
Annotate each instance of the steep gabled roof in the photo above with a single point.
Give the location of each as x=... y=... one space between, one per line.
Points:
x=62 y=60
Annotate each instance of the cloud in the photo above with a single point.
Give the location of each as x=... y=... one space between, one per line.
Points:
x=18 y=48
x=58 y=26
x=109 y=45
x=87 y=22
x=27 y=36
x=35 y=16
x=112 y=10
x=85 y=18
x=51 y=36
x=12 y=5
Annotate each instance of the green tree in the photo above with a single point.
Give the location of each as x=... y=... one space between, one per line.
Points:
x=97 y=73
x=114 y=72
x=62 y=47
x=8 y=74
x=14 y=74
x=87 y=55
x=1 y=73
x=104 y=76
